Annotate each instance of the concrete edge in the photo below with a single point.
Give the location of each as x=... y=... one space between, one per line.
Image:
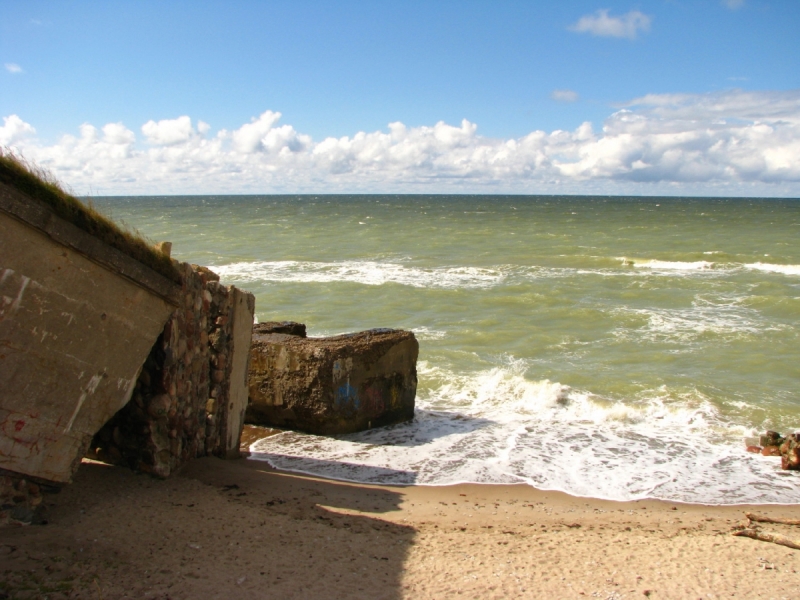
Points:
x=35 y=214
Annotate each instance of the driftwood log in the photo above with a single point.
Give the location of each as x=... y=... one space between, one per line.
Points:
x=768 y=537
x=765 y=519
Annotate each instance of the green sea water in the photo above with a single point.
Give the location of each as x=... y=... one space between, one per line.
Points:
x=607 y=347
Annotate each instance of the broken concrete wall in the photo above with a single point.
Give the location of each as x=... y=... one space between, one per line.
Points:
x=77 y=320
x=190 y=397
x=332 y=385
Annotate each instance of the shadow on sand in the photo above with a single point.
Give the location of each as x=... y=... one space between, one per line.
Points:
x=219 y=529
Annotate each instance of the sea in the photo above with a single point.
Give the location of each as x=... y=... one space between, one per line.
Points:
x=609 y=347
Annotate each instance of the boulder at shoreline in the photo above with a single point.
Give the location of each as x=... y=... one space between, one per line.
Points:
x=332 y=385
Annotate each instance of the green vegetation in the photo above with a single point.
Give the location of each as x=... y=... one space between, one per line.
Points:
x=38 y=183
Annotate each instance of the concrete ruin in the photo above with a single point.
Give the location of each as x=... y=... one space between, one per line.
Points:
x=331 y=385
x=77 y=320
x=100 y=354
x=190 y=397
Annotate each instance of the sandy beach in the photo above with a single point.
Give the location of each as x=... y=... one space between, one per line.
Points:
x=239 y=529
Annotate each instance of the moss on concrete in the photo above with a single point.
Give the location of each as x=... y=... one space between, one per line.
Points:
x=41 y=185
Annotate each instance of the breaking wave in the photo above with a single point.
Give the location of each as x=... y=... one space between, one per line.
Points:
x=463 y=277
x=498 y=427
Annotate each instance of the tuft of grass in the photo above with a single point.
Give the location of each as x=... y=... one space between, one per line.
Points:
x=38 y=183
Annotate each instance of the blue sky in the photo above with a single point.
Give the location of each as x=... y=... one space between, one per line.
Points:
x=83 y=79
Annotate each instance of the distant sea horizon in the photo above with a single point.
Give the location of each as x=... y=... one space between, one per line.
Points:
x=617 y=347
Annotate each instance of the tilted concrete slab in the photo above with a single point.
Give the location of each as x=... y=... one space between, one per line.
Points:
x=77 y=320
x=243 y=307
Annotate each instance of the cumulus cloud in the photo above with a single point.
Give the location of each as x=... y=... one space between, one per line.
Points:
x=14 y=129
x=564 y=96
x=13 y=68
x=169 y=131
x=659 y=143
x=624 y=26
x=261 y=135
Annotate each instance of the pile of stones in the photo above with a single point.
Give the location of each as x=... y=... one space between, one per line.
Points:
x=787 y=447
x=22 y=502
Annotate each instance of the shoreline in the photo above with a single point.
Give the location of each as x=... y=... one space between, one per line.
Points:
x=512 y=485
x=240 y=528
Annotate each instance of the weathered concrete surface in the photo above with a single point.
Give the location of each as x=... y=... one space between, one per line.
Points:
x=332 y=385
x=241 y=338
x=190 y=396
x=74 y=331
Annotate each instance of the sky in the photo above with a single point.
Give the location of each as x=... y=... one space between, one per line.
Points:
x=666 y=97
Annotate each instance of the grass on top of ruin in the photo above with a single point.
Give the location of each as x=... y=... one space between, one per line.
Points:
x=38 y=183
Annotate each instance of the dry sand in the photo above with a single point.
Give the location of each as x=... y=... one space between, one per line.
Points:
x=238 y=529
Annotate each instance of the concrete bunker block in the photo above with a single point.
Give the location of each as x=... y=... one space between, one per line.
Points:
x=332 y=385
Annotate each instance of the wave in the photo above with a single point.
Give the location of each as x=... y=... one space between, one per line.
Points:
x=364 y=272
x=704 y=266
x=465 y=277
x=770 y=268
x=667 y=265
x=497 y=426
x=683 y=325
x=424 y=333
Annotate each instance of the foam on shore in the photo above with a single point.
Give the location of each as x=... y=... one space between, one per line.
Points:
x=498 y=428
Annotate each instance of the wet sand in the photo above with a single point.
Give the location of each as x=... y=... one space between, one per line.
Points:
x=239 y=529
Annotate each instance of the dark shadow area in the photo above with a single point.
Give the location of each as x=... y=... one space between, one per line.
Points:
x=336 y=470
x=220 y=529
x=427 y=426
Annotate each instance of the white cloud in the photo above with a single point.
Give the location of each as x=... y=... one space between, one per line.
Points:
x=738 y=104
x=13 y=68
x=564 y=96
x=733 y=4
x=117 y=134
x=625 y=26
x=732 y=142
x=169 y=131
x=260 y=135
x=14 y=129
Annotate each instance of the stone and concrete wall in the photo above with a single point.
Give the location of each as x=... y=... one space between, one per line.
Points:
x=100 y=355
x=77 y=320
x=331 y=385
x=190 y=397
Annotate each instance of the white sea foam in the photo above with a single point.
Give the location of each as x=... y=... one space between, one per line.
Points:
x=465 y=277
x=770 y=268
x=364 y=272
x=682 y=325
x=704 y=266
x=423 y=333
x=498 y=427
x=668 y=265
